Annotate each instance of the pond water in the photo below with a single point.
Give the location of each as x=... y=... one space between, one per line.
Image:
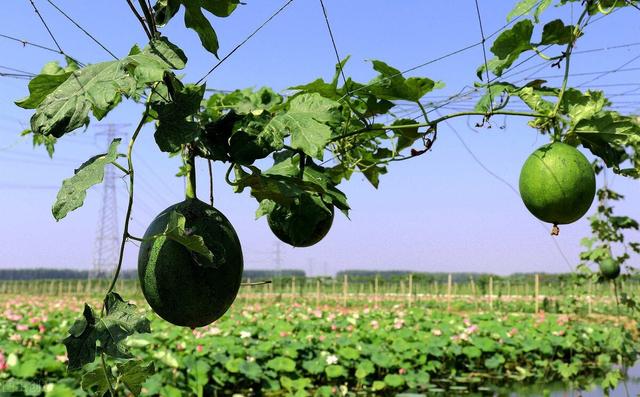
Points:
x=630 y=387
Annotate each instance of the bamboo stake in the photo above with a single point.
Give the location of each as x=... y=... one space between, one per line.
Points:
x=375 y=287
x=410 y=295
x=491 y=292
x=449 y=293
x=345 y=290
x=537 y=293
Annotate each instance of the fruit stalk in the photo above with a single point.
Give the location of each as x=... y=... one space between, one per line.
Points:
x=190 y=164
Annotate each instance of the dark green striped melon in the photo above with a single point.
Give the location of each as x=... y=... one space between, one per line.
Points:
x=177 y=286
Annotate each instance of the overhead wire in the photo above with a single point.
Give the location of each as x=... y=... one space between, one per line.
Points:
x=82 y=29
x=46 y=26
x=477 y=160
x=243 y=42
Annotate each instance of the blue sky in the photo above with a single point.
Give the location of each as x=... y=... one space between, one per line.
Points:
x=439 y=212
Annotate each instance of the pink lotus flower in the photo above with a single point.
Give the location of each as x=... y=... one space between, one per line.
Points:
x=513 y=332
x=3 y=362
x=321 y=338
x=471 y=329
x=350 y=328
x=374 y=324
x=180 y=346
x=15 y=338
x=41 y=328
x=398 y=323
x=467 y=322
x=22 y=327
x=13 y=317
x=402 y=371
x=284 y=334
x=199 y=348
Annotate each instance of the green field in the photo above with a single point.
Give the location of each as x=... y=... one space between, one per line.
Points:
x=292 y=341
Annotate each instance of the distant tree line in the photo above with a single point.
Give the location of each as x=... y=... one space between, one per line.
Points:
x=71 y=274
x=285 y=275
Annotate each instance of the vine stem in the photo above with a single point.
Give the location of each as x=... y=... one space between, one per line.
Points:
x=210 y=181
x=190 y=163
x=140 y=19
x=125 y=233
x=435 y=122
x=567 y=61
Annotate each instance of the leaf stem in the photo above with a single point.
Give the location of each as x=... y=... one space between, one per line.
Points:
x=125 y=233
x=121 y=168
x=106 y=375
x=424 y=112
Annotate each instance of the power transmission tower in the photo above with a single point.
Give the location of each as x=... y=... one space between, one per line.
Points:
x=107 y=241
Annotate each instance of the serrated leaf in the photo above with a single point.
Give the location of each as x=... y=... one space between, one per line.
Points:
x=555 y=32
x=176 y=231
x=133 y=374
x=306 y=120
x=96 y=88
x=81 y=344
x=121 y=320
x=526 y=7
x=95 y=381
x=392 y=85
x=508 y=47
x=90 y=335
x=405 y=136
x=74 y=190
x=174 y=128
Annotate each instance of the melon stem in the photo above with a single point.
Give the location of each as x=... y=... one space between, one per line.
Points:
x=555 y=230
x=190 y=164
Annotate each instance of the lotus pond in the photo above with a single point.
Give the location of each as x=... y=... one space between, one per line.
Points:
x=301 y=349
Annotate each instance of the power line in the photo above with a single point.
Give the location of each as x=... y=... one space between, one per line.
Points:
x=82 y=29
x=46 y=26
x=245 y=40
x=19 y=186
x=506 y=183
x=28 y=43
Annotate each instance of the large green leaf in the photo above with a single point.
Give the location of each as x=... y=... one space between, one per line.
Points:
x=74 y=190
x=174 y=128
x=392 y=85
x=132 y=374
x=62 y=107
x=508 y=47
x=91 y=335
x=195 y=19
x=306 y=120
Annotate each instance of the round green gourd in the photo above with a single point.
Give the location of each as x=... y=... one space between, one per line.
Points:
x=557 y=183
x=178 y=285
